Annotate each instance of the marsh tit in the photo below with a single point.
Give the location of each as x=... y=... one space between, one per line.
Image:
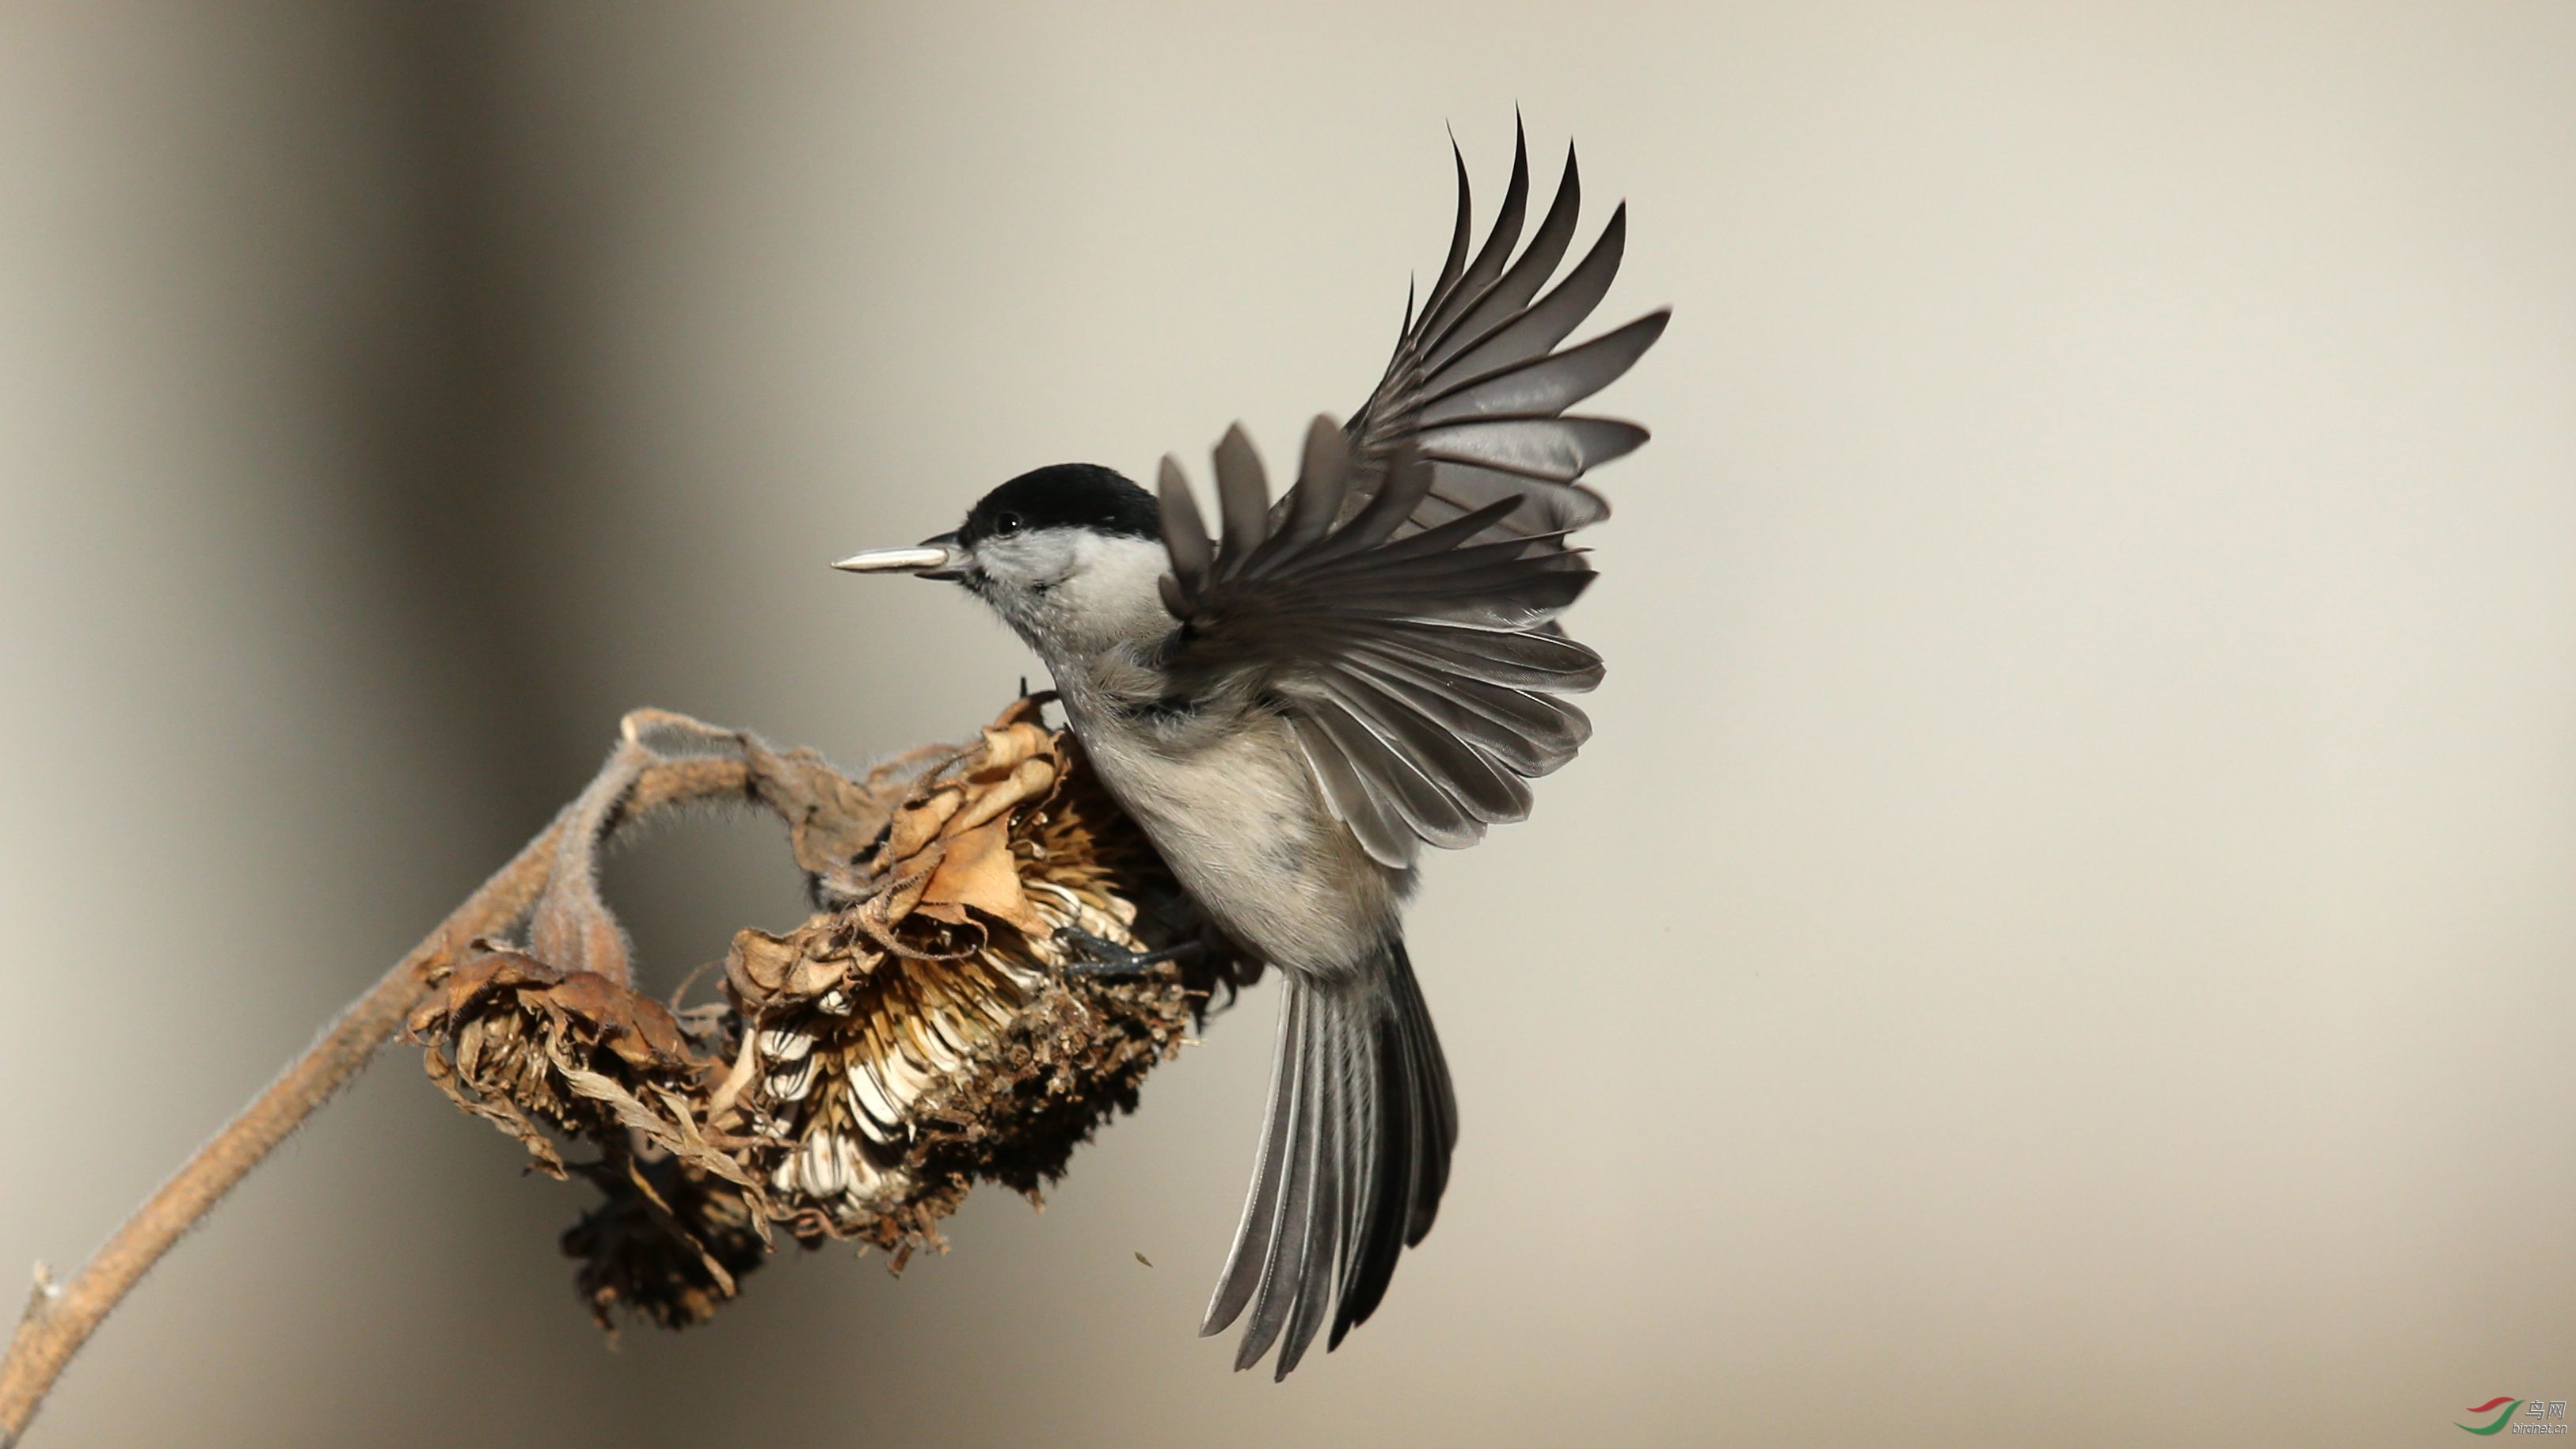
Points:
x=1294 y=708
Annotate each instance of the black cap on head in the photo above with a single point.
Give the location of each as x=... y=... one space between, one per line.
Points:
x=1067 y=495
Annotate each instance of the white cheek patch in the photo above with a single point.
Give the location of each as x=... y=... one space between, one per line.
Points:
x=1115 y=578
x=1072 y=592
x=1033 y=562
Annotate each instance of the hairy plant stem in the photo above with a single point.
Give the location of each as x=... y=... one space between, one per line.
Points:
x=61 y=1317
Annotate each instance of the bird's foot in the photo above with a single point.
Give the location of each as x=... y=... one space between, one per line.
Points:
x=1090 y=955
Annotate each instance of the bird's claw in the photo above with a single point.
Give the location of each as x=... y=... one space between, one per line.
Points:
x=1089 y=955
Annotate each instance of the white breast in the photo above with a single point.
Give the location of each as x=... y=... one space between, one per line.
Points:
x=1236 y=813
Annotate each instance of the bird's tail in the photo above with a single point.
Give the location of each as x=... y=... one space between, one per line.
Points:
x=1354 y=1153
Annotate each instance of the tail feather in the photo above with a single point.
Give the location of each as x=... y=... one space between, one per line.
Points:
x=1355 y=1154
x=1439 y=1115
x=1252 y=1236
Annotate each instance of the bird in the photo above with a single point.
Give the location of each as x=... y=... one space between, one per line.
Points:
x=1294 y=707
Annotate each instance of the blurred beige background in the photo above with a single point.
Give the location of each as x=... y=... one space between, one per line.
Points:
x=2064 y=933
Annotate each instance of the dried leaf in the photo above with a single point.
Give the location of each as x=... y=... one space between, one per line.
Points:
x=977 y=870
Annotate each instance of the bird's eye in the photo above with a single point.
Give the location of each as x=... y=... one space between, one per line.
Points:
x=1007 y=524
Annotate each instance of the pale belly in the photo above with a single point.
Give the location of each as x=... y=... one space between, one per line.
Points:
x=1243 y=826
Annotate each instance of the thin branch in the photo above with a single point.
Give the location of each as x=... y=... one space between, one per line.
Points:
x=61 y=1317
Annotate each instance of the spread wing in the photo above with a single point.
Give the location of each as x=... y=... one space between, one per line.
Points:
x=1400 y=602
x=1478 y=386
x=1418 y=671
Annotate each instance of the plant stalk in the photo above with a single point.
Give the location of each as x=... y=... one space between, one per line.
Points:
x=61 y=1317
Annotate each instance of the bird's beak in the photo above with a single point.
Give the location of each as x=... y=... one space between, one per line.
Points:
x=933 y=558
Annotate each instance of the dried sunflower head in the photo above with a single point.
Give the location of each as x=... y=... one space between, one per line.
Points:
x=924 y=1032
x=544 y=1053
x=919 y=1033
